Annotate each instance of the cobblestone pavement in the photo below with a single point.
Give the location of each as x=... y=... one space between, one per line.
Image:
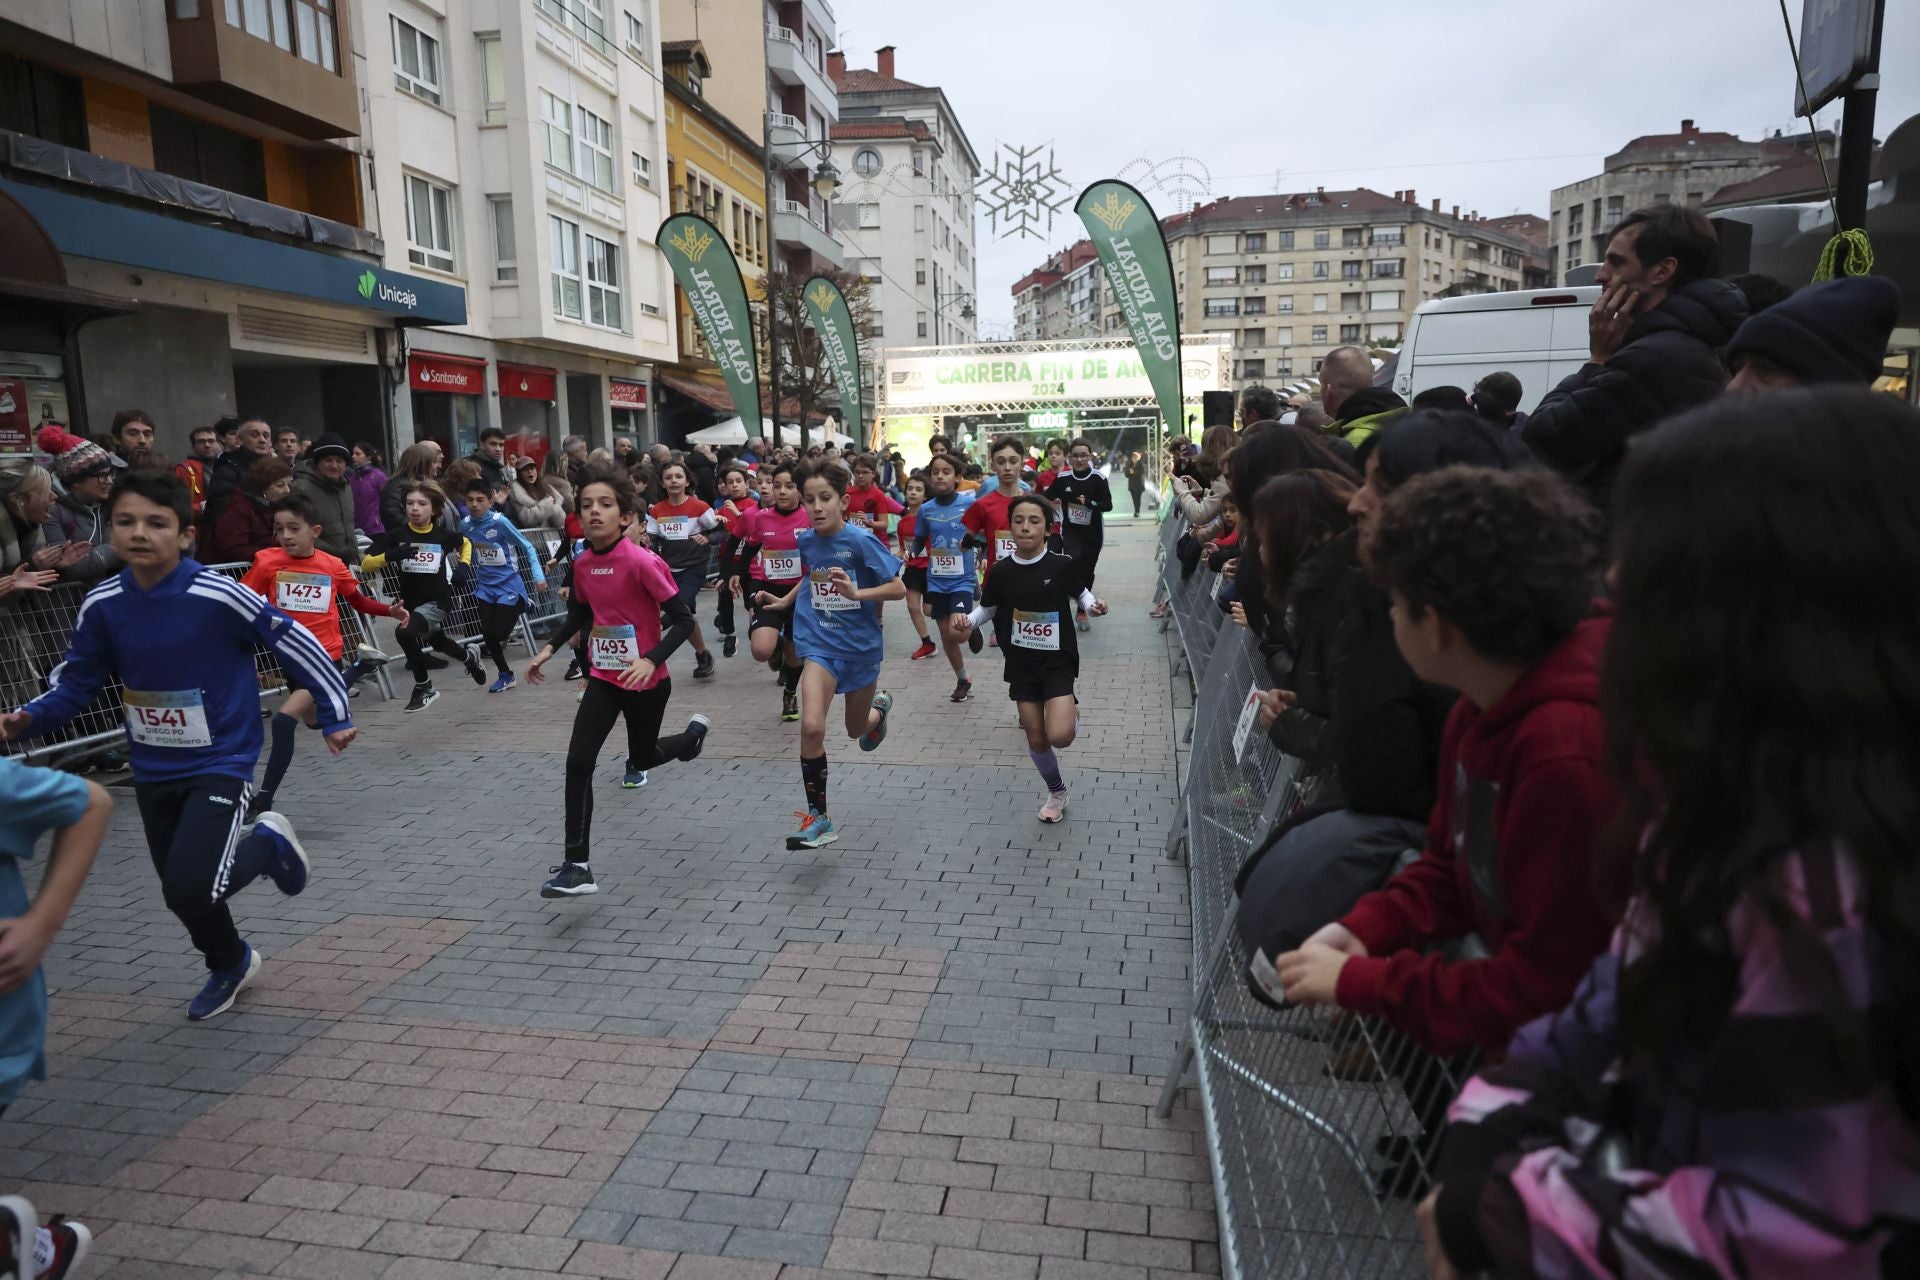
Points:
x=927 y=1050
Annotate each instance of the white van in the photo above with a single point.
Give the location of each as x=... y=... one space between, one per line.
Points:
x=1537 y=335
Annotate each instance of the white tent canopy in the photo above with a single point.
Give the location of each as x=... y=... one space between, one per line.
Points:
x=731 y=431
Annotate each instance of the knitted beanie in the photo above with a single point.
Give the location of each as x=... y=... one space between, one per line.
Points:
x=73 y=458
x=1835 y=331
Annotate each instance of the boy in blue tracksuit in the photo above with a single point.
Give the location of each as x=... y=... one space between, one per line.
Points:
x=181 y=640
x=498 y=589
x=941 y=534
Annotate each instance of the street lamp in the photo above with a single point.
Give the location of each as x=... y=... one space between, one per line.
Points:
x=826 y=181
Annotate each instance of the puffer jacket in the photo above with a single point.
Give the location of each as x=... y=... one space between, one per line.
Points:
x=549 y=512
x=71 y=520
x=1670 y=361
x=332 y=503
x=367 y=482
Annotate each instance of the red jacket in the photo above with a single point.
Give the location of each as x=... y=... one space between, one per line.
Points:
x=1523 y=794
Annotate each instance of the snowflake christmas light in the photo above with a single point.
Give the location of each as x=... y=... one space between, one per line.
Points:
x=1020 y=190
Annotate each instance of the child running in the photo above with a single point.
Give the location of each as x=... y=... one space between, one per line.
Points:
x=625 y=597
x=1027 y=596
x=769 y=534
x=849 y=572
x=1083 y=495
x=432 y=561
x=736 y=494
x=498 y=589
x=304 y=583
x=915 y=574
x=677 y=529
x=940 y=529
x=181 y=640
x=868 y=506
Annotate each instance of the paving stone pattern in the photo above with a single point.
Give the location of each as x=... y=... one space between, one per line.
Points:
x=926 y=1050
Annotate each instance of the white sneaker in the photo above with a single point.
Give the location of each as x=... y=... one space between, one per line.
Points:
x=1055 y=808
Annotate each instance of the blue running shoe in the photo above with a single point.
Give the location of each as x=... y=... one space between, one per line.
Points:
x=815 y=830
x=289 y=868
x=697 y=737
x=872 y=738
x=634 y=779
x=502 y=683
x=223 y=985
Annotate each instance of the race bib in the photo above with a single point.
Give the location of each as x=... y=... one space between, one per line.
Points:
x=1079 y=515
x=675 y=528
x=825 y=598
x=1002 y=545
x=1036 y=630
x=862 y=519
x=302 y=592
x=426 y=557
x=613 y=648
x=163 y=719
x=494 y=557
x=780 y=566
x=1243 y=728
x=947 y=564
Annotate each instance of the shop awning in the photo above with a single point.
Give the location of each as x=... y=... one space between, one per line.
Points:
x=92 y=228
x=712 y=395
x=527 y=382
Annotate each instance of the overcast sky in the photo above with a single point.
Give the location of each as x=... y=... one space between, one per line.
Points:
x=1488 y=104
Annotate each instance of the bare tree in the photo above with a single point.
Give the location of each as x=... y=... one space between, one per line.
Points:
x=805 y=379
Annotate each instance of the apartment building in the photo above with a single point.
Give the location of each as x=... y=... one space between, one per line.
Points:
x=803 y=105
x=905 y=206
x=1064 y=297
x=1688 y=167
x=184 y=226
x=518 y=149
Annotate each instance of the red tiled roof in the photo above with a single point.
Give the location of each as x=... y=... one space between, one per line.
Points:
x=1040 y=275
x=854 y=130
x=1800 y=178
x=1694 y=137
x=859 y=80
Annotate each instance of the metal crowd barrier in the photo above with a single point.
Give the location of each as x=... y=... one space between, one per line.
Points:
x=463 y=610
x=1194 y=613
x=1320 y=1124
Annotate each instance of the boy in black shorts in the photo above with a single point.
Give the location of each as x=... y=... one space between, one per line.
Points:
x=1028 y=596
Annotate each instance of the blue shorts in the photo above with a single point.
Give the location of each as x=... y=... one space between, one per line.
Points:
x=689 y=582
x=850 y=675
x=942 y=603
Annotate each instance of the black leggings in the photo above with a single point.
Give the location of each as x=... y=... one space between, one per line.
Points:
x=426 y=628
x=496 y=624
x=601 y=703
x=1135 y=495
x=1085 y=550
x=193 y=834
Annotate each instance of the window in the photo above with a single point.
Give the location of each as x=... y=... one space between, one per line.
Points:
x=1321 y=239
x=1253 y=307
x=1663 y=198
x=1283 y=337
x=42 y=103
x=557 y=117
x=416 y=61
x=1253 y=337
x=1616 y=209
x=1286 y=239
x=869 y=216
x=919 y=163
x=493 y=81
x=1388 y=235
x=596 y=149
x=203 y=152
x=505 y=265
x=429 y=224
x=866 y=162
x=919 y=217
x=1223 y=244
x=919 y=270
x=1349 y=333
x=1384 y=332
x=1256 y=242
x=1573 y=253
x=1349 y=302
x=1223 y=275
x=603 y=282
x=642 y=169
x=1319 y=302
x=566 y=267
x=636 y=36
x=1384 y=300
x=302 y=27
x=1351 y=237
x=1319 y=333
x=1389 y=268
x=1349 y=271
x=1283 y=306
x=1223 y=307
x=1284 y=271
x=1253 y=368
x=920 y=324
x=586 y=18
x=1321 y=270
x=1255 y=275
x=1575 y=219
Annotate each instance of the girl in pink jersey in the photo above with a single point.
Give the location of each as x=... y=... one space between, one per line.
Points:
x=626 y=599
x=769 y=547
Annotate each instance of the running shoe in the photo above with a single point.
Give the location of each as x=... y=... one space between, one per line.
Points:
x=962 y=690
x=1083 y=622
x=815 y=830
x=976 y=639
x=19 y=1226
x=1055 y=808
x=474 y=666
x=703 y=665
x=424 y=696
x=223 y=985
x=572 y=880
x=71 y=1240
x=924 y=651
x=634 y=779
x=729 y=644
x=289 y=868
x=504 y=682
x=789 y=704
x=720 y=625
x=574 y=672
x=697 y=730
x=436 y=663
x=872 y=738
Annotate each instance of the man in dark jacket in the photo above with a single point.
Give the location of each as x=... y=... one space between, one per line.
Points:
x=1654 y=336
x=224 y=476
x=322 y=480
x=1357 y=407
x=1835 y=332
x=491 y=457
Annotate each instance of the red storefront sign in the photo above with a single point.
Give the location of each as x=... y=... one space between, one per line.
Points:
x=624 y=394
x=525 y=382
x=453 y=375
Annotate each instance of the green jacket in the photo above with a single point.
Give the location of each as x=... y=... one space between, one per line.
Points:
x=1358 y=430
x=332 y=502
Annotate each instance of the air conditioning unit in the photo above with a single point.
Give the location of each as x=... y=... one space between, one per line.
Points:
x=648 y=309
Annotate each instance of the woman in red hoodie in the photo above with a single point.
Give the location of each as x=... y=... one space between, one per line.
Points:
x=1492 y=575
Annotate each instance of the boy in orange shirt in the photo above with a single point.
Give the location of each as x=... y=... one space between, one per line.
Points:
x=302 y=582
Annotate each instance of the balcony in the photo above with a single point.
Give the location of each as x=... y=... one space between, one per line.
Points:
x=787 y=141
x=792 y=224
x=257 y=77
x=788 y=63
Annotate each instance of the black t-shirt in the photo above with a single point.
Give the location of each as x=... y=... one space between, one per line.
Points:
x=1091 y=489
x=423 y=562
x=1034 y=622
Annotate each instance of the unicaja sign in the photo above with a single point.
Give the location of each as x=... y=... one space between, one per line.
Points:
x=372 y=288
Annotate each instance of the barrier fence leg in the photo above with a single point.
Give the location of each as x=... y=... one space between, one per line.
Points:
x=1202 y=1007
x=1175 y=1078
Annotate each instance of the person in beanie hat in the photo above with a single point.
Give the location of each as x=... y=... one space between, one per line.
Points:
x=85 y=472
x=321 y=478
x=1835 y=331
